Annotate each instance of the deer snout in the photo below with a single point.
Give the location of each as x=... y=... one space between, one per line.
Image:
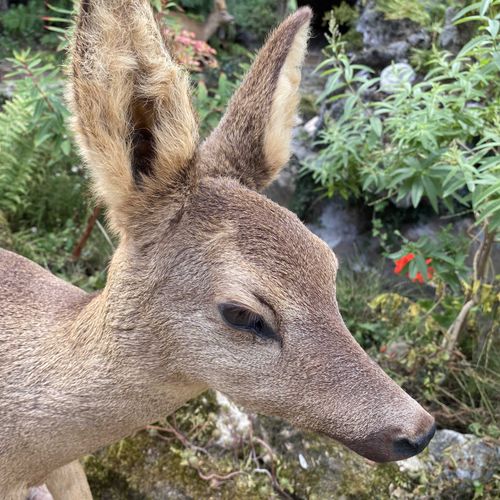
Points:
x=391 y=445
x=406 y=447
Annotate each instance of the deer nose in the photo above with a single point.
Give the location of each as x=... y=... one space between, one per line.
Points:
x=405 y=448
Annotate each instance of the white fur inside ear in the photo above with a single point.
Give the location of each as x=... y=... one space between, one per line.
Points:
x=278 y=132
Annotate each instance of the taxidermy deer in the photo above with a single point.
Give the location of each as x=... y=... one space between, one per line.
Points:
x=203 y=31
x=212 y=284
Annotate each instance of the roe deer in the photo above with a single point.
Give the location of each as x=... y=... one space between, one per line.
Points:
x=203 y=31
x=212 y=284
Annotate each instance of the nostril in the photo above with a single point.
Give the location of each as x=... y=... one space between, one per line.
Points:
x=408 y=447
x=424 y=440
x=405 y=448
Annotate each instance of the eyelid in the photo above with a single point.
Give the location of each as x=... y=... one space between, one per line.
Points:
x=252 y=315
x=271 y=316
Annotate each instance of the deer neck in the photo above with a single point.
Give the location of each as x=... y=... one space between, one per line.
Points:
x=210 y=26
x=101 y=387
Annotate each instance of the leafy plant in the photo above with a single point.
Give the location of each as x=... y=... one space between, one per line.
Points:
x=34 y=144
x=256 y=17
x=436 y=140
x=211 y=102
x=23 y=20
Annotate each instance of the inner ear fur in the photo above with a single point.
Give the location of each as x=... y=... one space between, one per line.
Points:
x=132 y=113
x=252 y=141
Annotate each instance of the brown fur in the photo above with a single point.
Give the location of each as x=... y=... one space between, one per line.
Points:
x=78 y=372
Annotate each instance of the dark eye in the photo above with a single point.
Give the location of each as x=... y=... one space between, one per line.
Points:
x=242 y=318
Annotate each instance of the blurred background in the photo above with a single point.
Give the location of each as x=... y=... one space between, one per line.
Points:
x=395 y=165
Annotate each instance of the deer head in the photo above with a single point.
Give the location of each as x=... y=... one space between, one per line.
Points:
x=220 y=9
x=213 y=285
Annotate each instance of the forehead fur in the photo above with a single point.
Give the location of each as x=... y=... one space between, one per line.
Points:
x=266 y=236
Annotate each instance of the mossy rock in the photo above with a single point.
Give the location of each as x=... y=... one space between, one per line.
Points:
x=156 y=465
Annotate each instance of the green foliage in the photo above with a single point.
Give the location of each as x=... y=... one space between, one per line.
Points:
x=423 y=12
x=447 y=251
x=22 y=25
x=42 y=187
x=436 y=140
x=344 y=14
x=34 y=145
x=23 y=20
x=211 y=102
x=256 y=17
x=350 y=138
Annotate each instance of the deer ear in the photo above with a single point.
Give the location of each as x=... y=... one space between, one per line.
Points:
x=252 y=141
x=131 y=107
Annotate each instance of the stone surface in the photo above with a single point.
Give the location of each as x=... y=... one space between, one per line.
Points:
x=346 y=230
x=311 y=127
x=337 y=224
x=396 y=76
x=456 y=456
x=455 y=36
x=6 y=87
x=231 y=422
x=387 y=40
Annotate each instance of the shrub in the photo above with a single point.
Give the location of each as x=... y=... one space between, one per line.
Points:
x=35 y=149
x=436 y=140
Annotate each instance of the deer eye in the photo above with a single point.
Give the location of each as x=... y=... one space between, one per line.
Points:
x=241 y=318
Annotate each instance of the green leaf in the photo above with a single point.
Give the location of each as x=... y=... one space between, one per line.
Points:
x=421 y=266
x=485 y=5
x=66 y=147
x=376 y=125
x=467 y=9
x=417 y=190
x=493 y=26
x=431 y=192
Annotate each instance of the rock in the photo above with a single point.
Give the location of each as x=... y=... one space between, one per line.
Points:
x=231 y=422
x=312 y=126
x=456 y=457
x=397 y=350
x=395 y=77
x=7 y=87
x=454 y=37
x=336 y=225
x=345 y=230
x=387 y=40
x=39 y=493
x=282 y=190
x=432 y=227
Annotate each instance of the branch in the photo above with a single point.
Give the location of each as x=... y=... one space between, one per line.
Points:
x=472 y=297
x=77 y=251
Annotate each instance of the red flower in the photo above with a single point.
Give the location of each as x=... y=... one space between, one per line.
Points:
x=401 y=263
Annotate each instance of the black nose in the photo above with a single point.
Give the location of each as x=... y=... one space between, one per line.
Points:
x=406 y=448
